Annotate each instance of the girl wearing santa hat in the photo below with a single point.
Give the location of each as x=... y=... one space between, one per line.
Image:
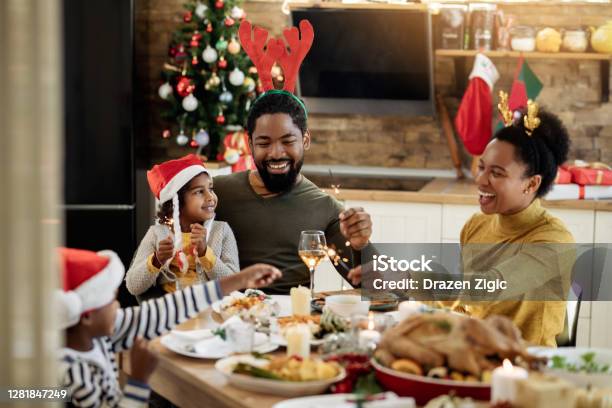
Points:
x=96 y=328
x=186 y=245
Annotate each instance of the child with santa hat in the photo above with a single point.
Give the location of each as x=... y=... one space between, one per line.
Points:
x=186 y=245
x=96 y=328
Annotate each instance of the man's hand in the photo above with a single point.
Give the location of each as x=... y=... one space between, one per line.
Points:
x=198 y=238
x=142 y=360
x=356 y=226
x=354 y=275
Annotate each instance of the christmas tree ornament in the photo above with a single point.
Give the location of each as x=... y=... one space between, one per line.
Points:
x=221 y=45
x=166 y=133
x=190 y=103
x=182 y=139
x=194 y=43
x=229 y=22
x=209 y=55
x=220 y=118
x=184 y=87
x=249 y=84
x=200 y=10
x=193 y=143
x=276 y=71
x=226 y=97
x=165 y=90
x=236 y=77
x=222 y=63
x=219 y=4
x=231 y=156
x=172 y=51
x=233 y=47
x=194 y=60
x=209 y=28
x=187 y=17
x=252 y=70
x=180 y=52
x=237 y=13
x=196 y=35
x=202 y=138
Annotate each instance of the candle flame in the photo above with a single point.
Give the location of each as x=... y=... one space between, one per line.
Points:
x=507 y=364
x=370 y=321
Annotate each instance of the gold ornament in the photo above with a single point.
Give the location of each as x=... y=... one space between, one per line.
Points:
x=504 y=110
x=531 y=120
x=233 y=47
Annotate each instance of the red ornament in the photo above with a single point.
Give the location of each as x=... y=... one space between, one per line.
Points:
x=222 y=63
x=194 y=60
x=184 y=87
x=219 y=4
x=172 y=52
x=180 y=53
x=193 y=143
x=187 y=17
x=220 y=119
x=196 y=36
x=194 y=43
x=209 y=28
x=166 y=133
x=229 y=22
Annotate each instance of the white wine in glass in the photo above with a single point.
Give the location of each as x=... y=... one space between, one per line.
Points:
x=312 y=250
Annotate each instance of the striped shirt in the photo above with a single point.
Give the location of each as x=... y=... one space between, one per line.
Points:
x=92 y=377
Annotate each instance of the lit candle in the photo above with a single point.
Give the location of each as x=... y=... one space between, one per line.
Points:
x=369 y=337
x=300 y=301
x=503 y=382
x=298 y=341
x=408 y=308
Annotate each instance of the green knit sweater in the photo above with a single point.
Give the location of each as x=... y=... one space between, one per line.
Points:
x=268 y=229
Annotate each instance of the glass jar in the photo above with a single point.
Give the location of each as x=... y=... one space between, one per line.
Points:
x=523 y=38
x=575 y=40
x=482 y=16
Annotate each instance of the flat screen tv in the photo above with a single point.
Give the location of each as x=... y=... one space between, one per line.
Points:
x=368 y=61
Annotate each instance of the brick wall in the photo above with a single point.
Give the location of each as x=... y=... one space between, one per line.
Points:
x=572 y=89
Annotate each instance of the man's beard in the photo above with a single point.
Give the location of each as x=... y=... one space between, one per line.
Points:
x=279 y=183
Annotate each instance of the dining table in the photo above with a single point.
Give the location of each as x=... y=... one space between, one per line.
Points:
x=194 y=382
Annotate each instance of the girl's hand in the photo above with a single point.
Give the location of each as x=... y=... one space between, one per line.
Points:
x=198 y=238
x=165 y=250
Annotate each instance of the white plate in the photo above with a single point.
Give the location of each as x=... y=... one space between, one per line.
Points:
x=340 y=401
x=273 y=387
x=572 y=355
x=214 y=347
x=192 y=336
x=281 y=341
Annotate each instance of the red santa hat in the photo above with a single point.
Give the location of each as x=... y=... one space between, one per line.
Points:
x=89 y=279
x=165 y=181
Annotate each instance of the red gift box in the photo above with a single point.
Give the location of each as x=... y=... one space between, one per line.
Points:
x=590 y=173
x=564 y=176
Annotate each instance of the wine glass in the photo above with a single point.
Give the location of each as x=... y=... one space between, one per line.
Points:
x=312 y=250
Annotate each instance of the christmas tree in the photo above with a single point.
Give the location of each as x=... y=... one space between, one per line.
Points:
x=209 y=82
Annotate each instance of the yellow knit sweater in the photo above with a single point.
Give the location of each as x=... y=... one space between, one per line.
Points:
x=539 y=320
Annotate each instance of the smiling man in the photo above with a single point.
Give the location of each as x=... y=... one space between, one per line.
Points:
x=268 y=208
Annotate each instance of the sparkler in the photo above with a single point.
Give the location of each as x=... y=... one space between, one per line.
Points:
x=336 y=188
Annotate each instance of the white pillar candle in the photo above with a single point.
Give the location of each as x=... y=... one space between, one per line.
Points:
x=298 y=340
x=300 y=301
x=408 y=308
x=503 y=382
x=370 y=336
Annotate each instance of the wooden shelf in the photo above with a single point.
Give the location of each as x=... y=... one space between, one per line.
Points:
x=360 y=6
x=529 y=55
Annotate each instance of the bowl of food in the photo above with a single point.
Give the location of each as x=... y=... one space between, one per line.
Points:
x=427 y=355
x=282 y=376
x=347 y=305
x=584 y=367
x=251 y=305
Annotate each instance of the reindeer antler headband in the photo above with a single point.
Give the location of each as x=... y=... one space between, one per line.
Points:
x=265 y=53
x=530 y=119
